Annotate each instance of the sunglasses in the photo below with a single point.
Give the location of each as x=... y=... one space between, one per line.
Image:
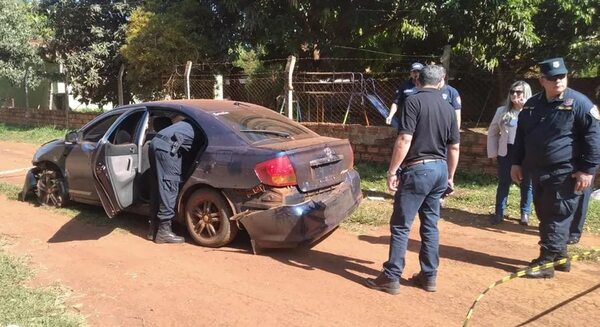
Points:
x=555 y=77
x=517 y=92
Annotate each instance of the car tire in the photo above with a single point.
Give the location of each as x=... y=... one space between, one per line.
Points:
x=207 y=216
x=51 y=189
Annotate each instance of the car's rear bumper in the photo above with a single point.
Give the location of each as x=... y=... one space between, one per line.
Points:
x=306 y=222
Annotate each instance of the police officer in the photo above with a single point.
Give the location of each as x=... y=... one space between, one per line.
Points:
x=451 y=95
x=407 y=88
x=421 y=169
x=165 y=152
x=558 y=141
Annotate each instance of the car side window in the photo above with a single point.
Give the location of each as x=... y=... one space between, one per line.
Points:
x=95 y=132
x=126 y=131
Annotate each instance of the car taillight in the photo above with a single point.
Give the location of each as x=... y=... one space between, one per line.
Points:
x=276 y=172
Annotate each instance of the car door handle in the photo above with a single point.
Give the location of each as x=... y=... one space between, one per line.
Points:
x=131 y=150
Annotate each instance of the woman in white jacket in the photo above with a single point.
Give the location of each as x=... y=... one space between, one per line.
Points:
x=500 y=138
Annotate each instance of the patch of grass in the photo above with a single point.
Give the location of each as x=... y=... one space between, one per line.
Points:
x=23 y=306
x=576 y=250
x=9 y=190
x=35 y=135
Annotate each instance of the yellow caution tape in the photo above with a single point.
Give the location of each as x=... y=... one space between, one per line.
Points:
x=522 y=273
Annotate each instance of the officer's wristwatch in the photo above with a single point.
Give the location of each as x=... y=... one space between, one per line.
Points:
x=390 y=174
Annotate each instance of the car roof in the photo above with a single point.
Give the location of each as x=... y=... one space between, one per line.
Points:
x=206 y=105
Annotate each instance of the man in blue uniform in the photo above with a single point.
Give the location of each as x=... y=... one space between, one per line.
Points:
x=558 y=141
x=421 y=169
x=407 y=88
x=165 y=152
x=451 y=95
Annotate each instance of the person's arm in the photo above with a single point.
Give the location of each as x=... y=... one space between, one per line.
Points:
x=393 y=109
x=589 y=138
x=453 y=154
x=518 y=150
x=401 y=146
x=493 y=135
x=457 y=111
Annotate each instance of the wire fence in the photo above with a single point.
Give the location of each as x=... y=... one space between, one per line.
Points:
x=345 y=97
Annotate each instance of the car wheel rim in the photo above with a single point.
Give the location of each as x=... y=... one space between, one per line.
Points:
x=206 y=219
x=49 y=190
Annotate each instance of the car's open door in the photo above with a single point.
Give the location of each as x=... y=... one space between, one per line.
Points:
x=116 y=161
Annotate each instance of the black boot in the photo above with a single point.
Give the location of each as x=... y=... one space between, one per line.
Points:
x=384 y=284
x=565 y=267
x=544 y=258
x=152 y=229
x=165 y=235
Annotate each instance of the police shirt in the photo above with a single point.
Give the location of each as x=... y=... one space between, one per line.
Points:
x=431 y=122
x=561 y=135
x=407 y=88
x=451 y=95
x=177 y=137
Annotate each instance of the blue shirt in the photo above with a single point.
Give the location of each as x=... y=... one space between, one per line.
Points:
x=407 y=88
x=451 y=95
x=560 y=136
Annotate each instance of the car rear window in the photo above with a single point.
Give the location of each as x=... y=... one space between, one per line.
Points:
x=263 y=125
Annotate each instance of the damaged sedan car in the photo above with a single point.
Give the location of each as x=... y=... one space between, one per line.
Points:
x=250 y=168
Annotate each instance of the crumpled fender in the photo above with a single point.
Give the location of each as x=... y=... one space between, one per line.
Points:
x=29 y=186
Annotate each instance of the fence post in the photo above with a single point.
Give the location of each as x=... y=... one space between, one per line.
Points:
x=188 y=70
x=26 y=88
x=446 y=59
x=289 y=69
x=120 y=84
x=66 y=102
x=218 y=92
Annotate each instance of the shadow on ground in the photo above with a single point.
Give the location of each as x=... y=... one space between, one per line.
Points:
x=457 y=254
x=481 y=221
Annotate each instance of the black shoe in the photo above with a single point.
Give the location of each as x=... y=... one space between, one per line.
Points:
x=384 y=284
x=566 y=267
x=495 y=219
x=165 y=235
x=542 y=273
x=424 y=282
x=573 y=240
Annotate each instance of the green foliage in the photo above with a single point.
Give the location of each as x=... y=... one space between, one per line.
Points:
x=35 y=135
x=23 y=306
x=87 y=37
x=19 y=41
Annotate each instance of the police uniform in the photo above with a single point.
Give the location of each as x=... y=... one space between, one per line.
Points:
x=166 y=150
x=555 y=139
x=451 y=95
x=407 y=88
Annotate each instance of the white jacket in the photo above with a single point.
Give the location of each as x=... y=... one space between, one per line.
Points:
x=502 y=132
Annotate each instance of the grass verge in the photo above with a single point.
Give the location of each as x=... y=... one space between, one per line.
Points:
x=23 y=134
x=23 y=306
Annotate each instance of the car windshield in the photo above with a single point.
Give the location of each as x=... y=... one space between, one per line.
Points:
x=262 y=125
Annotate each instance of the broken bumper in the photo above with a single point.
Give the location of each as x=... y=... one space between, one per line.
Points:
x=307 y=222
x=29 y=185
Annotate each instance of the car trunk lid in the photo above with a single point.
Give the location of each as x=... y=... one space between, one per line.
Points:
x=319 y=162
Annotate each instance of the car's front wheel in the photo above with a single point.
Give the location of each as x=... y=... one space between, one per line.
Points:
x=51 y=189
x=207 y=219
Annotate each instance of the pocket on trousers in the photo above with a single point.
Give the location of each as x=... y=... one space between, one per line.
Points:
x=417 y=181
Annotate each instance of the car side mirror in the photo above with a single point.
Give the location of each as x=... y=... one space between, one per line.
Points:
x=73 y=137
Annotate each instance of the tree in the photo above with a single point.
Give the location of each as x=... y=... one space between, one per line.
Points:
x=19 y=41
x=87 y=38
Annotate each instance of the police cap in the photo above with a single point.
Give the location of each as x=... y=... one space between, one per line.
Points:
x=417 y=66
x=553 y=67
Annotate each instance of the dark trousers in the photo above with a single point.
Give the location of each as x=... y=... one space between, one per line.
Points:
x=421 y=187
x=555 y=204
x=581 y=213
x=166 y=168
x=504 y=182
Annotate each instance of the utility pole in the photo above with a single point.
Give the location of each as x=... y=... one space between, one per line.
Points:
x=289 y=69
x=188 y=70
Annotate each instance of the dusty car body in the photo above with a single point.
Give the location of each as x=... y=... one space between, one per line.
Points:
x=250 y=168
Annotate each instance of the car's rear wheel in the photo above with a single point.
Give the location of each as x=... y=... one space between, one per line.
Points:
x=51 y=189
x=207 y=216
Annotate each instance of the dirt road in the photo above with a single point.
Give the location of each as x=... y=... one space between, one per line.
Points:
x=118 y=278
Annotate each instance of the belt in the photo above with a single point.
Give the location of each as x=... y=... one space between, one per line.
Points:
x=164 y=138
x=421 y=161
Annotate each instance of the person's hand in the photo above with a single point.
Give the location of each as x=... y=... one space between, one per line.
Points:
x=388 y=120
x=516 y=174
x=584 y=180
x=392 y=182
